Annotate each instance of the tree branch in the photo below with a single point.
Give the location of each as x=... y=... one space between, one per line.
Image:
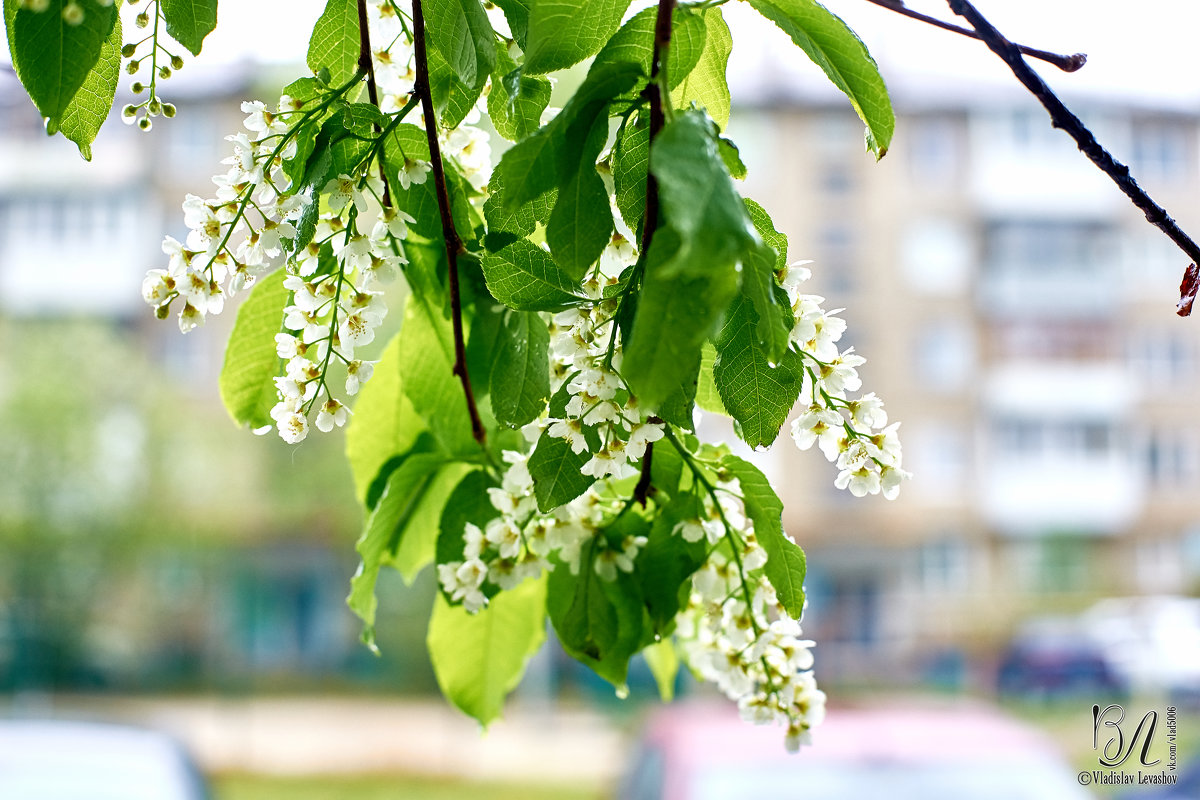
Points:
x=662 y=42
x=1069 y=63
x=366 y=65
x=1063 y=118
x=454 y=245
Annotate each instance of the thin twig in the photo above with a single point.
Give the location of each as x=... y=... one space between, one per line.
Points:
x=1069 y=63
x=366 y=65
x=454 y=245
x=662 y=42
x=1063 y=118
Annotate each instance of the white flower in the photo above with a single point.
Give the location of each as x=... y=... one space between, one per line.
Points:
x=358 y=373
x=821 y=425
x=861 y=481
x=292 y=424
x=331 y=414
x=640 y=435
x=572 y=431
x=158 y=287
x=505 y=537
x=868 y=412
x=840 y=375
x=412 y=171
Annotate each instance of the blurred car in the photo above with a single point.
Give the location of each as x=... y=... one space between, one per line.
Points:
x=706 y=752
x=1152 y=642
x=58 y=760
x=1057 y=656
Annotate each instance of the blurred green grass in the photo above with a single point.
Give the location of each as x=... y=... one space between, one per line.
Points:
x=388 y=787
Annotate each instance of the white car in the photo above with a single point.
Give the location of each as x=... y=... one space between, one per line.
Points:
x=57 y=760
x=1152 y=642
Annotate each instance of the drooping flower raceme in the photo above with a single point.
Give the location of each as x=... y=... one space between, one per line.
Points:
x=635 y=532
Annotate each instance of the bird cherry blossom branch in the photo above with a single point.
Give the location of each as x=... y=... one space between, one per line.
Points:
x=654 y=90
x=1063 y=118
x=1069 y=63
x=454 y=244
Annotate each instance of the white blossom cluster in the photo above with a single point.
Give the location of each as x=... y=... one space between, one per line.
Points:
x=735 y=633
x=852 y=433
x=334 y=310
x=235 y=236
x=585 y=350
x=519 y=543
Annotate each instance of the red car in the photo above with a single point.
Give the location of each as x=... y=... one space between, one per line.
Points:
x=705 y=752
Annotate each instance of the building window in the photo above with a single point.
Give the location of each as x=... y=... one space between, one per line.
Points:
x=1040 y=246
x=1160 y=151
x=944 y=565
x=1161 y=358
x=835 y=257
x=936 y=255
x=1029 y=438
x=935 y=150
x=945 y=356
x=1170 y=458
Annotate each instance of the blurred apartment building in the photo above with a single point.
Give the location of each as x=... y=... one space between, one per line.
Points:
x=1017 y=314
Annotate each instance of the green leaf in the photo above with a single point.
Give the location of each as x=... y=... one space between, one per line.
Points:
x=732 y=158
x=707 y=396
x=53 y=58
x=469 y=502
x=705 y=85
x=833 y=47
x=679 y=407
x=773 y=311
x=565 y=32
x=698 y=199
x=664 y=666
x=666 y=471
x=675 y=315
x=634 y=43
x=666 y=564
x=786 y=566
x=524 y=277
x=598 y=622
x=402 y=529
x=554 y=468
x=755 y=393
x=553 y=154
x=189 y=21
x=520 y=379
x=528 y=169
x=452 y=99
x=461 y=32
x=426 y=361
x=766 y=229
x=251 y=363
x=335 y=44
x=516 y=101
x=384 y=424
x=89 y=108
x=631 y=159
x=581 y=223
x=479 y=658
